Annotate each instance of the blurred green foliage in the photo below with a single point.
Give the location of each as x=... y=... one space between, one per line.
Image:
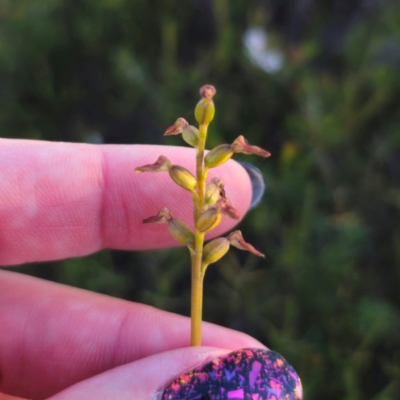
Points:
x=120 y=71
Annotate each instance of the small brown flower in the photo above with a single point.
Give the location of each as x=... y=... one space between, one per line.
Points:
x=236 y=239
x=240 y=145
x=162 y=164
x=177 y=128
x=163 y=217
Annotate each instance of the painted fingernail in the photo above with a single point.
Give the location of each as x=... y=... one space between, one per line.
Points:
x=248 y=374
x=257 y=182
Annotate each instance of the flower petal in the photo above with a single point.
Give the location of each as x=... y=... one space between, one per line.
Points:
x=240 y=145
x=162 y=164
x=236 y=239
x=177 y=128
x=163 y=217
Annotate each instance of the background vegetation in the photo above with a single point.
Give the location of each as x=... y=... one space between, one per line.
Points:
x=315 y=82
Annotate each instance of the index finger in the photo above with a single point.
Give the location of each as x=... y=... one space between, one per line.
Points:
x=60 y=200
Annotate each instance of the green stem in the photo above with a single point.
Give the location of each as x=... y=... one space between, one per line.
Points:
x=197 y=275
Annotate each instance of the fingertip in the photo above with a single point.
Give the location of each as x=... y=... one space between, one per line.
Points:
x=143 y=379
x=195 y=373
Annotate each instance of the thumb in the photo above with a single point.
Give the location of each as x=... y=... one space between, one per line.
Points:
x=194 y=373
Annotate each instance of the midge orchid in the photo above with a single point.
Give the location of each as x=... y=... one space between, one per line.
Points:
x=209 y=201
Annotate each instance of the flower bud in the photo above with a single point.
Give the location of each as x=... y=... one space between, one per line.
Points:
x=183 y=177
x=181 y=232
x=215 y=250
x=212 y=194
x=178 y=229
x=218 y=155
x=236 y=239
x=205 y=109
x=190 y=135
x=207 y=92
x=209 y=220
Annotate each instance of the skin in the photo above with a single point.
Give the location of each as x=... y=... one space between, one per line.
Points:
x=60 y=200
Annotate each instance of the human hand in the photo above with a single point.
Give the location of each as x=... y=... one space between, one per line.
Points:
x=65 y=200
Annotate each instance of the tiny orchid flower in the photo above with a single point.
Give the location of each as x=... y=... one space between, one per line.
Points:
x=209 y=199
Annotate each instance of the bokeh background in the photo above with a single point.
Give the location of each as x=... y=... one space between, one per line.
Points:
x=315 y=82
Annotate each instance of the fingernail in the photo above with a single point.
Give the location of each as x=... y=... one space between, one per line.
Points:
x=253 y=374
x=257 y=182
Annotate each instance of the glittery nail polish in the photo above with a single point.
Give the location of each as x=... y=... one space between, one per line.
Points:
x=247 y=374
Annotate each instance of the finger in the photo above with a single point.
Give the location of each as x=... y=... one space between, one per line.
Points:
x=241 y=374
x=53 y=336
x=141 y=380
x=60 y=200
x=8 y=397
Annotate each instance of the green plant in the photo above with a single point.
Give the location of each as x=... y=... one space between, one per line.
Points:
x=209 y=200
